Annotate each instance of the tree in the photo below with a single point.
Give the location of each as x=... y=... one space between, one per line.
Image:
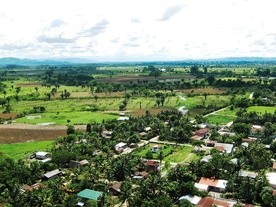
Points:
x=70 y=130
x=126 y=191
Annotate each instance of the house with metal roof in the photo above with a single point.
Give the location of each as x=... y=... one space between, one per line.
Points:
x=88 y=194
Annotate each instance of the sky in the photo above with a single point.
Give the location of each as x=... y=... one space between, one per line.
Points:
x=137 y=30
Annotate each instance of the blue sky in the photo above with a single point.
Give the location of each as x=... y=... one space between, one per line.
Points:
x=131 y=30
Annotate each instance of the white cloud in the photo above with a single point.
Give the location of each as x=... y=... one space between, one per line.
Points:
x=137 y=30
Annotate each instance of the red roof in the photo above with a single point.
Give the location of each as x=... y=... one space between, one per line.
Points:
x=152 y=163
x=210 y=202
x=202 y=131
x=208 y=181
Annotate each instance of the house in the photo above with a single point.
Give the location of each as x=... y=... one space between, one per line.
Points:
x=152 y=165
x=271 y=177
x=120 y=147
x=52 y=174
x=88 y=194
x=211 y=202
x=142 y=134
x=256 y=130
x=123 y=118
x=147 y=129
x=227 y=148
x=141 y=175
x=106 y=134
x=115 y=188
x=191 y=198
x=210 y=143
x=213 y=184
x=274 y=166
x=206 y=158
x=74 y=164
x=155 y=148
x=25 y=188
x=204 y=132
x=196 y=137
x=42 y=155
x=250 y=174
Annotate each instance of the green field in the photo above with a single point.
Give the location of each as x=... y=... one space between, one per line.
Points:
x=181 y=154
x=166 y=149
x=75 y=117
x=25 y=149
x=219 y=119
x=262 y=109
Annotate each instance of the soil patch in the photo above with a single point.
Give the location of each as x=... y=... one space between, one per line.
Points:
x=13 y=133
x=30 y=84
x=8 y=116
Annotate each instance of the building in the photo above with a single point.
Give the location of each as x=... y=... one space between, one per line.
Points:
x=152 y=165
x=120 y=147
x=204 y=132
x=250 y=174
x=88 y=194
x=155 y=148
x=211 y=202
x=74 y=164
x=208 y=184
x=227 y=148
x=123 y=118
x=52 y=174
x=115 y=188
x=25 y=188
x=42 y=155
x=271 y=177
x=106 y=134
x=191 y=198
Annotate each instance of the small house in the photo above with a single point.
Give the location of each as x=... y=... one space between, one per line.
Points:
x=115 y=188
x=191 y=198
x=106 y=134
x=74 y=164
x=42 y=155
x=120 y=147
x=213 y=184
x=52 y=174
x=249 y=174
x=227 y=148
x=271 y=177
x=204 y=132
x=152 y=165
x=25 y=188
x=123 y=118
x=274 y=166
x=147 y=129
x=211 y=202
x=155 y=148
x=88 y=194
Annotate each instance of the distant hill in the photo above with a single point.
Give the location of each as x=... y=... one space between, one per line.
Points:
x=68 y=61
x=30 y=62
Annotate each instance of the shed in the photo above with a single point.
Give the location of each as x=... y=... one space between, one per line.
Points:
x=52 y=174
x=88 y=194
x=42 y=155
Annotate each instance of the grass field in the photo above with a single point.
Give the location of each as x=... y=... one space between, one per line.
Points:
x=262 y=109
x=181 y=154
x=166 y=149
x=78 y=117
x=219 y=119
x=25 y=149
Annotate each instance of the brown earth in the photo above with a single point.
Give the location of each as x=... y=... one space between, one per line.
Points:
x=30 y=84
x=203 y=90
x=13 y=133
x=141 y=78
x=8 y=116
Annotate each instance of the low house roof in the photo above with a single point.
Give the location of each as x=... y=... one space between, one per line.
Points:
x=116 y=186
x=143 y=133
x=83 y=162
x=206 y=158
x=202 y=131
x=191 y=198
x=227 y=147
x=214 y=182
x=142 y=173
x=40 y=153
x=274 y=166
x=210 y=202
x=271 y=178
x=244 y=173
x=121 y=144
x=147 y=129
x=52 y=173
x=123 y=118
x=90 y=194
x=152 y=163
x=34 y=186
x=201 y=186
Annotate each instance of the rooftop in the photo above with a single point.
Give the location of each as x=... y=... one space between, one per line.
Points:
x=90 y=194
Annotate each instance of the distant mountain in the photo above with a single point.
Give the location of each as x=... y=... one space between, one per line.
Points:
x=69 y=61
x=30 y=62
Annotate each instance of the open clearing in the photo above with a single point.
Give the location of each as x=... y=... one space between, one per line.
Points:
x=203 y=90
x=262 y=109
x=25 y=149
x=13 y=133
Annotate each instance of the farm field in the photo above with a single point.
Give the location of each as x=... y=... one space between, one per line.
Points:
x=222 y=117
x=262 y=109
x=63 y=118
x=23 y=150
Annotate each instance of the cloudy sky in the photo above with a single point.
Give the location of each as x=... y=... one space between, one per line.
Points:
x=131 y=30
